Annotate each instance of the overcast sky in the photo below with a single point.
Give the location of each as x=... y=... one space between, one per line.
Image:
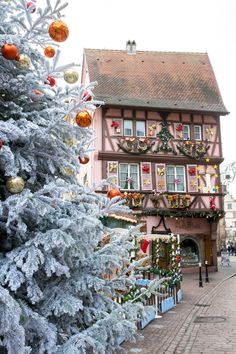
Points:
x=163 y=25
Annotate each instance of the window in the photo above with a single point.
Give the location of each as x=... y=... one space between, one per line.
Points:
x=129 y=176
x=140 y=128
x=229 y=206
x=197 y=132
x=128 y=127
x=186 y=132
x=175 y=179
x=234 y=214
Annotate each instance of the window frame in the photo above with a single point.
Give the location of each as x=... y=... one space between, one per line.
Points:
x=132 y=123
x=144 y=123
x=175 y=176
x=188 y=126
x=231 y=206
x=200 y=131
x=138 y=176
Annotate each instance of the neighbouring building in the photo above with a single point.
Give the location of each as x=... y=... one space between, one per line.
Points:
x=158 y=138
x=230 y=218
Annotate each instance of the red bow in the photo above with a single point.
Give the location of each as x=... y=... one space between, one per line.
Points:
x=115 y=124
x=179 y=128
x=192 y=171
x=146 y=168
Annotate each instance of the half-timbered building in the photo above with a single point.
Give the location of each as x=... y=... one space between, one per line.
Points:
x=158 y=138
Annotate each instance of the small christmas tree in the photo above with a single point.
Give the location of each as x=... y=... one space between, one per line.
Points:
x=57 y=283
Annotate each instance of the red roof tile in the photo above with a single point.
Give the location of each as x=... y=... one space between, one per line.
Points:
x=163 y=80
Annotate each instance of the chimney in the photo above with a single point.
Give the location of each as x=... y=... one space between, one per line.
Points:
x=131 y=47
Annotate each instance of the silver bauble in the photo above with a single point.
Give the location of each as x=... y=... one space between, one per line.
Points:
x=71 y=76
x=23 y=62
x=15 y=184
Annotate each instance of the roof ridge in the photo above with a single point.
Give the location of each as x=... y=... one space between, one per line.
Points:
x=143 y=51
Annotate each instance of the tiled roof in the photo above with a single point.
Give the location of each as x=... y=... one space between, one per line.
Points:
x=163 y=80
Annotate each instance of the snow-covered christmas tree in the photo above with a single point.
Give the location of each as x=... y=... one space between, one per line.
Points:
x=57 y=281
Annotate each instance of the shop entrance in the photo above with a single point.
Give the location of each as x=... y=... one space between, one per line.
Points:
x=189 y=252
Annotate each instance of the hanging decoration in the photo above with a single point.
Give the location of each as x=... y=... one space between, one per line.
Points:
x=152 y=129
x=31 y=7
x=49 y=52
x=113 y=167
x=165 y=136
x=212 y=204
x=84 y=160
x=112 y=193
x=15 y=184
x=136 y=146
x=23 y=62
x=209 y=132
x=116 y=125
x=144 y=246
x=179 y=201
x=161 y=171
x=196 y=150
x=50 y=81
x=71 y=76
x=83 y=119
x=58 y=31
x=146 y=182
x=9 y=51
x=156 y=198
x=134 y=199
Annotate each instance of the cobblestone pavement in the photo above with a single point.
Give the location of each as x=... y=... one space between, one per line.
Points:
x=179 y=330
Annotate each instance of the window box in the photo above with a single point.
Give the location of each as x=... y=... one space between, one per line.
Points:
x=178 y=201
x=134 y=200
x=195 y=150
x=136 y=145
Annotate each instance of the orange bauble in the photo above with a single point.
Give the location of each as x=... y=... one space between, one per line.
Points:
x=83 y=119
x=114 y=193
x=84 y=160
x=49 y=52
x=9 y=51
x=58 y=31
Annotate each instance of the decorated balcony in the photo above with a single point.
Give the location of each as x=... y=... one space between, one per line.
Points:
x=134 y=199
x=135 y=145
x=193 y=149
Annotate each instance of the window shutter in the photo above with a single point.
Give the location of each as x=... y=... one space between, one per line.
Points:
x=146 y=176
x=192 y=178
x=178 y=130
x=160 y=177
x=112 y=171
x=208 y=132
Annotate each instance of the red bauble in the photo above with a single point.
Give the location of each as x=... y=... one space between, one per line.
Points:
x=50 y=81
x=87 y=96
x=114 y=193
x=49 y=52
x=1 y=144
x=178 y=258
x=9 y=51
x=32 y=6
x=84 y=160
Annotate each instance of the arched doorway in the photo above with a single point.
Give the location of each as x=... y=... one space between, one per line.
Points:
x=189 y=251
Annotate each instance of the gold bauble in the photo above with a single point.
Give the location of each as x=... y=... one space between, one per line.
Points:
x=67 y=171
x=15 y=184
x=71 y=76
x=58 y=31
x=23 y=62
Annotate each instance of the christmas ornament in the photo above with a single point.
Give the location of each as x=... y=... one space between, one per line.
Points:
x=9 y=51
x=37 y=92
x=1 y=144
x=58 y=31
x=146 y=182
x=31 y=7
x=212 y=204
x=71 y=76
x=87 y=97
x=192 y=171
x=113 y=167
x=15 y=184
x=23 y=61
x=179 y=128
x=49 y=52
x=83 y=119
x=160 y=171
x=68 y=171
x=144 y=246
x=115 y=124
x=50 y=81
x=84 y=160
x=113 y=193
x=146 y=168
